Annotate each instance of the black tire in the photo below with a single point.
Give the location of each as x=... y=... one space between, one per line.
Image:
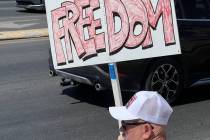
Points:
x=166 y=77
x=52 y=71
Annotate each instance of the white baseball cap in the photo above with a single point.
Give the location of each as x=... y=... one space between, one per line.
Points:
x=148 y=106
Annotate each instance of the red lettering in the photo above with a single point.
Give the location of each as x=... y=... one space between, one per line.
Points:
x=70 y=30
x=65 y=31
x=137 y=15
x=58 y=33
x=79 y=26
x=148 y=40
x=163 y=8
x=95 y=24
x=89 y=44
x=116 y=40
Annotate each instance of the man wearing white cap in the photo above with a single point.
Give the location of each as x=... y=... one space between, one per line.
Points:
x=144 y=117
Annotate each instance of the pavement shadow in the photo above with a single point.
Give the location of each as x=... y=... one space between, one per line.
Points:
x=105 y=99
x=194 y=94
x=89 y=95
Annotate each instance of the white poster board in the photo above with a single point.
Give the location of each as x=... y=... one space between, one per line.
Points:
x=90 y=32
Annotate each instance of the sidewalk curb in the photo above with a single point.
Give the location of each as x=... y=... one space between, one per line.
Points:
x=23 y=34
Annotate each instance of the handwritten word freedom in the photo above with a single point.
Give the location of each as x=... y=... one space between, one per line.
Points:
x=131 y=14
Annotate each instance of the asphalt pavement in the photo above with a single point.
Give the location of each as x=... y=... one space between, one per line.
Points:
x=34 y=106
x=18 y=23
x=14 y=18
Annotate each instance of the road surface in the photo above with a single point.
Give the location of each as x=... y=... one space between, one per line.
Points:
x=34 y=106
x=13 y=18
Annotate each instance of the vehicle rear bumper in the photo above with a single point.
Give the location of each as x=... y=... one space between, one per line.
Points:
x=90 y=75
x=98 y=76
x=74 y=77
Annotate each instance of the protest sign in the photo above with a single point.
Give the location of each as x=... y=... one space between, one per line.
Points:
x=90 y=32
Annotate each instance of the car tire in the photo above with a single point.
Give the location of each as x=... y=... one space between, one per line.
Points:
x=166 y=77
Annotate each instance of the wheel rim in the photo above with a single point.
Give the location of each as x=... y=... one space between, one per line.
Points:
x=165 y=80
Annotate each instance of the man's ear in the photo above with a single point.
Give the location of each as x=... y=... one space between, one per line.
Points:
x=147 y=131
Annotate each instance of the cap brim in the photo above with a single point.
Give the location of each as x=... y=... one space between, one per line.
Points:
x=121 y=113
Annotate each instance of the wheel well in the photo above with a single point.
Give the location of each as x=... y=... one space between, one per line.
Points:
x=176 y=59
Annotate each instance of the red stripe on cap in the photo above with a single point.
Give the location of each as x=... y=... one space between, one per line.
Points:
x=131 y=101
